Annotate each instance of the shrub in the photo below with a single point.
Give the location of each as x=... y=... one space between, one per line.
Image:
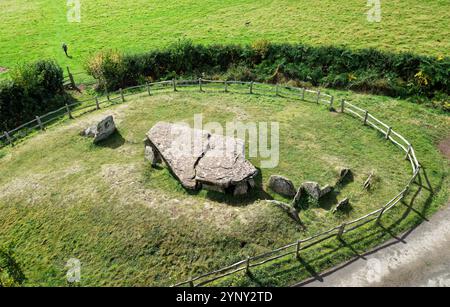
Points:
x=35 y=88
x=368 y=70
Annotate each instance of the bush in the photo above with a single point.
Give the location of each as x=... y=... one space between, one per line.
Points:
x=35 y=88
x=368 y=70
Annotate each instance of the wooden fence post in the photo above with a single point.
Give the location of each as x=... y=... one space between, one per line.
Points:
x=68 y=111
x=121 y=95
x=303 y=93
x=97 y=104
x=379 y=216
x=72 y=80
x=341 y=231
x=331 y=103
x=226 y=86
x=107 y=94
x=318 y=96
x=247 y=265
x=38 y=119
x=148 y=89
x=8 y=138
x=174 y=83
x=366 y=116
x=388 y=133
x=297 y=252
x=251 y=87
x=342 y=105
x=408 y=152
x=200 y=84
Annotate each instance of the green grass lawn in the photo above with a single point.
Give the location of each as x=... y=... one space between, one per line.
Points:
x=32 y=30
x=62 y=197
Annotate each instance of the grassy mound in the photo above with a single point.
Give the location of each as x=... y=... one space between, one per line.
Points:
x=62 y=197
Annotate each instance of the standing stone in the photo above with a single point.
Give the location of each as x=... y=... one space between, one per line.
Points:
x=344 y=174
x=282 y=185
x=325 y=190
x=102 y=130
x=312 y=189
x=342 y=205
x=241 y=189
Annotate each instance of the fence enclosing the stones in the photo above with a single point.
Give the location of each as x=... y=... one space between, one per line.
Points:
x=304 y=94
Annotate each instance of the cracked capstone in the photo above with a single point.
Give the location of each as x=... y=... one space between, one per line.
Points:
x=199 y=159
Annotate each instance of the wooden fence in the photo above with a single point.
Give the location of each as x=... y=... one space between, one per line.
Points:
x=318 y=97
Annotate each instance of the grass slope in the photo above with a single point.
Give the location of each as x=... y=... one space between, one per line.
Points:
x=34 y=30
x=61 y=197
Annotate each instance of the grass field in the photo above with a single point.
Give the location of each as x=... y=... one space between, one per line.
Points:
x=32 y=30
x=133 y=225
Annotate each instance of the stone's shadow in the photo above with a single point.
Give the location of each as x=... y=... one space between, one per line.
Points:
x=349 y=178
x=329 y=201
x=256 y=193
x=114 y=141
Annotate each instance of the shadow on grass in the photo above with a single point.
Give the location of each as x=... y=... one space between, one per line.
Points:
x=114 y=141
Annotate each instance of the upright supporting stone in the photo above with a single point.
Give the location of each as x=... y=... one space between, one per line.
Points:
x=318 y=97
x=200 y=85
x=69 y=113
x=342 y=105
x=388 y=133
x=331 y=102
x=247 y=265
x=341 y=231
x=121 y=95
x=97 y=104
x=297 y=252
x=174 y=83
x=303 y=93
x=226 y=86
x=148 y=89
x=8 y=138
x=38 y=119
x=251 y=87
x=366 y=116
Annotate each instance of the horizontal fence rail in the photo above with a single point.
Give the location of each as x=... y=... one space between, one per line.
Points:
x=202 y=85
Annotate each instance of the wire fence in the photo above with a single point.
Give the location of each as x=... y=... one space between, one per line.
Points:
x=304 y=94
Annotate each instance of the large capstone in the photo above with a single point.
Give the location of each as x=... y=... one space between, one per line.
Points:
x=102 y=130
x=200 y=159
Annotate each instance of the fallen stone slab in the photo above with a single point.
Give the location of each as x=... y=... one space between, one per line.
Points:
x=200 y=159
x=102 y=130
x=282 y=185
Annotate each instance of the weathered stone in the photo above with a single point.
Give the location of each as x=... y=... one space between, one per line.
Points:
x=241 y=189
x=102 y=130
x=198 y=158
x=344 y=174
x=312 y=189
x=325 y=190
x=282 y=185
x=342 y=205
x=290 y=210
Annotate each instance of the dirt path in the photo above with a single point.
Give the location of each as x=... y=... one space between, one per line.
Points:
x=420 y=258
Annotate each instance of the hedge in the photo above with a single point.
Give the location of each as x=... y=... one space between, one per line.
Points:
x=35 y=89
x=369 y=70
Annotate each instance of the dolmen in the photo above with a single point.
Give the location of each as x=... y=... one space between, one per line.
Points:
x=199 y=159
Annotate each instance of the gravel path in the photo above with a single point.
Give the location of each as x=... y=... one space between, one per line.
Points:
x=420 y=258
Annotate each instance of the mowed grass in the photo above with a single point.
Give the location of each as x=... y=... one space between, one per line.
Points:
x=32 y=30
x=62 y=197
